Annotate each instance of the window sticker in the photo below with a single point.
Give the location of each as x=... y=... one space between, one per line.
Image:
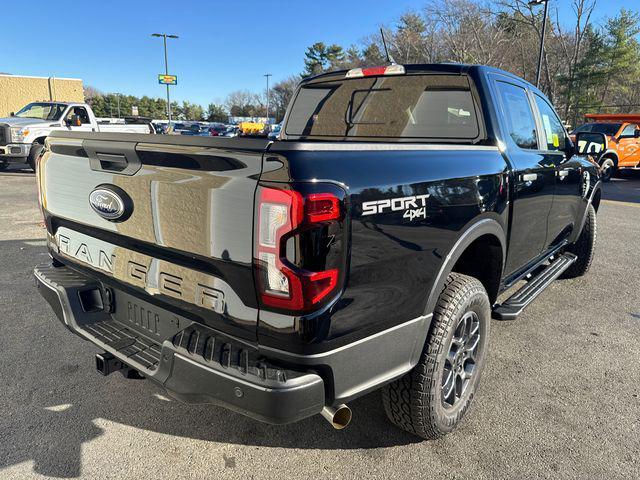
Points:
x=547 y=126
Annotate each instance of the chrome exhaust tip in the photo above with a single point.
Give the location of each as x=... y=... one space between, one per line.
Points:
x=339 y=417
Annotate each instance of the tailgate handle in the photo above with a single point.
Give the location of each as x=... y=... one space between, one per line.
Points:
x=112 y=156
x=111 y=162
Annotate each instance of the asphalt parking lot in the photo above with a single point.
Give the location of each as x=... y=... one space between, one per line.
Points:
x=559 y=397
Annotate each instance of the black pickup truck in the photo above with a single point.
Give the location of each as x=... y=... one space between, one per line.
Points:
x=366 y=248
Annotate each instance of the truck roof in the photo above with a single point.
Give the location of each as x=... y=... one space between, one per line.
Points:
x=432 y=68
x=614 y=117
x=450 y=68
x=56 y=102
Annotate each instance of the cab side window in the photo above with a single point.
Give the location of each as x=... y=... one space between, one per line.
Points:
x=517 y=111
x=554 y=132
x=629 y=131
x=81 y=112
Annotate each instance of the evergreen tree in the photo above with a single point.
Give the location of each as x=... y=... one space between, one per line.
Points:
x=320 y=58
x=372 y=55
x=622 y=51
x=216 y=113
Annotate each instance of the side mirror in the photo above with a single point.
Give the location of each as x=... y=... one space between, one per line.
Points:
x=12 y=114
x=591 y=143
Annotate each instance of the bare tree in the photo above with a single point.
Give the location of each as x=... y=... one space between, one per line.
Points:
x=572 y=46
x=467 y=31
x=243 y=103
x=281 y=94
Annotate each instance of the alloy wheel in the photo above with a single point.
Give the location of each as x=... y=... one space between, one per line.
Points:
x=461 y=361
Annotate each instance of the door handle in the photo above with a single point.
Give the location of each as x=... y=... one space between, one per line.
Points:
x=563 y=173
x=529 y=177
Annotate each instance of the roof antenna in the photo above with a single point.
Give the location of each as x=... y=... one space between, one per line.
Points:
x=386 y=50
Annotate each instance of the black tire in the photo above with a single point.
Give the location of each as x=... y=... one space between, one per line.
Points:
x=608 y=168
x=34 y=153
x=417 y=402
x=584 y=247
x=3 y=166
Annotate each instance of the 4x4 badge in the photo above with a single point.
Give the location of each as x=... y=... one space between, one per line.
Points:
x=414 y=206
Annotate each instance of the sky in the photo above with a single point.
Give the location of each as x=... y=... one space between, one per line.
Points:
x=223 y=46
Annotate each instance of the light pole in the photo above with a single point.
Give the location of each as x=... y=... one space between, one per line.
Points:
x=166 y=68
x=544 y=30
x=267 y=75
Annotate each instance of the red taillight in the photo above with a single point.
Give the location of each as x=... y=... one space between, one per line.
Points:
x=281 y=215
x=322 y=207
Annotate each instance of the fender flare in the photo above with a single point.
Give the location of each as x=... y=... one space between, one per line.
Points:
x=486 y=226
x=596 y=188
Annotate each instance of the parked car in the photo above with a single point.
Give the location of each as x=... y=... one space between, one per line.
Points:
x=217 y=130
x=623 y=132
x=368 y=249
x=195 y=129
x=231 y=131
x=22 y=135
x=275 y=132
x=177 y=128
x=160 y=128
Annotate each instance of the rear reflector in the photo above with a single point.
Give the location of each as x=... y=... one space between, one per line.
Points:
x=376 y=71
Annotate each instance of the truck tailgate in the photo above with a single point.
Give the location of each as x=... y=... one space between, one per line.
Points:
x=185 y=237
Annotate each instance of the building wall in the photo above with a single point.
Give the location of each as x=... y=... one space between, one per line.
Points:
x=16 y=91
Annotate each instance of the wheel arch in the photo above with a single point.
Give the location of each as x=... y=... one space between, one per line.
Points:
x=40 y=140
x=612 y=154
x=485 y=233
x=594 y=199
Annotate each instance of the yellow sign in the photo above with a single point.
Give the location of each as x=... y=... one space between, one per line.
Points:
x=167 y=79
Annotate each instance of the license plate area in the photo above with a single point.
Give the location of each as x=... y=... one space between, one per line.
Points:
x=146 y=318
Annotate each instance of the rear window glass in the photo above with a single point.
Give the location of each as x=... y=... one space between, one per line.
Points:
x=412 y=106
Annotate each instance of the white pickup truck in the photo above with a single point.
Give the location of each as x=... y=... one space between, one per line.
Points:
x=22 y=134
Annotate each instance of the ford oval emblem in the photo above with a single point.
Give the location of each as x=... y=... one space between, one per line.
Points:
x=110 y=202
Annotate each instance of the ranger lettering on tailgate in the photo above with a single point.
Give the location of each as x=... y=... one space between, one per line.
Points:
x=144 y=272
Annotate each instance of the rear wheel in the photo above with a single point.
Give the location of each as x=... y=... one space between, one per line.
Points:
x=584 y=247
x=430 y=400
x=34 y=153
x=608 y=167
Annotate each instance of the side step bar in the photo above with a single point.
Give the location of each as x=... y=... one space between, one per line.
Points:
x=514 y=305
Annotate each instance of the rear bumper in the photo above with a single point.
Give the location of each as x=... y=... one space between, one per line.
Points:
x=200 y=365
x=193 y=362
x=14 y=152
